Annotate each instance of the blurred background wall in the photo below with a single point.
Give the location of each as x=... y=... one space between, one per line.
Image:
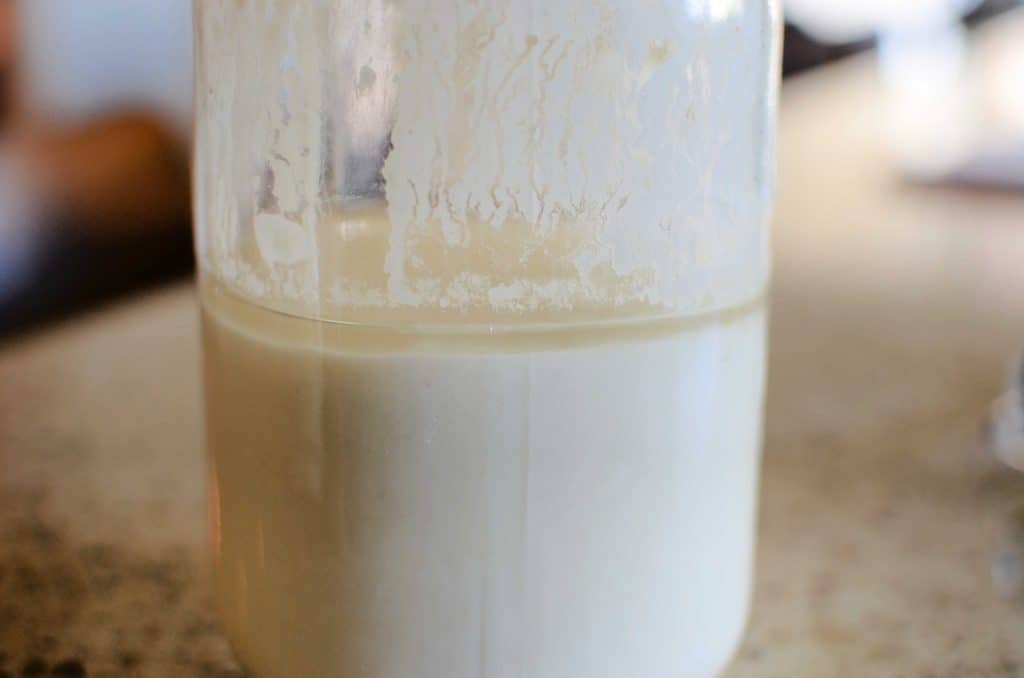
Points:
x=95 y=108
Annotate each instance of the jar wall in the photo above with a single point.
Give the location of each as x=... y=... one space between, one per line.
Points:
x=500 y=162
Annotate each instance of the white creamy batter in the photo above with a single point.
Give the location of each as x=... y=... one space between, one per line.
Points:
x=576 y=504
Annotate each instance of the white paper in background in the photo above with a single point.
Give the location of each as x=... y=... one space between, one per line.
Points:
x=851 y=20
x=956 y=103
x=83 y=58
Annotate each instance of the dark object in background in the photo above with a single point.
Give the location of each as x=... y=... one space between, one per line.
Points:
x=119 y=175
x=76 y=273
x=989 y=9
x=802 y=52
x=112 y=216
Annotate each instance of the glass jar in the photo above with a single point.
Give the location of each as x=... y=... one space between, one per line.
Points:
x=482 y=286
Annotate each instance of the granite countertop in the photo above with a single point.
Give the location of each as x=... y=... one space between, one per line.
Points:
x=896 y=312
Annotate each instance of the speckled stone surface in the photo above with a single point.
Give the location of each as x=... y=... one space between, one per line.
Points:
x=101 y=499
x=896 y=313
